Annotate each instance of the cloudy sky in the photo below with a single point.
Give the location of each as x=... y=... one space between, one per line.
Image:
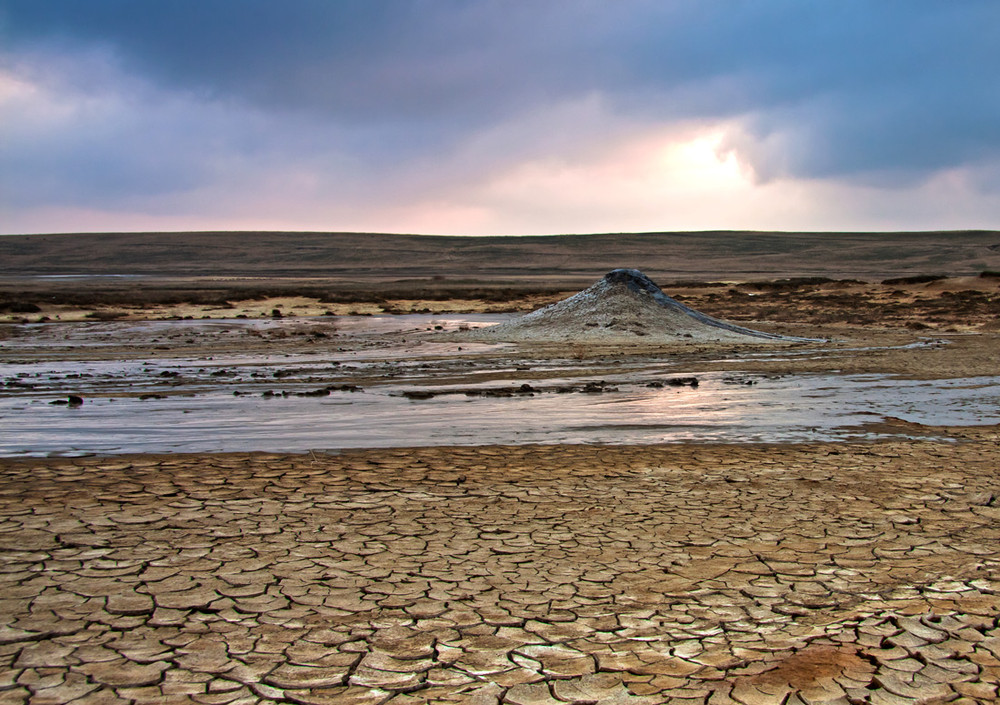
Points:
x=499 y=117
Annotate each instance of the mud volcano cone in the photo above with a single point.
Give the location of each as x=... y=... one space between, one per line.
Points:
x=624 y=306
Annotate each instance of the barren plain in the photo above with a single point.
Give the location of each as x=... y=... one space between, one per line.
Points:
x=685 y=572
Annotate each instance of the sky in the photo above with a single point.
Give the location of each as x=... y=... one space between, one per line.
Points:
x=499 y=117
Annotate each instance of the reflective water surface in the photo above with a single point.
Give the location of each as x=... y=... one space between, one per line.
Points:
x=434 y=393
x=724 y=407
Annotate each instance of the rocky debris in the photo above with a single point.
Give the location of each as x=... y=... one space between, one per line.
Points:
x=326 y=391
x=819 y=573
x=675 y=382
x=420 y=394
x=525 y=389
x=321 y=392
x=624 y=306
x=72 y=401
x=740 y=379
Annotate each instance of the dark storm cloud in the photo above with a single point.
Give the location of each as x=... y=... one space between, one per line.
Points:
x=889 y=91
x=356 y=59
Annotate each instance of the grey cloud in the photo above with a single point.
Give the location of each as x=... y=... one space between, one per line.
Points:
x=363 y=60
x=891 y=91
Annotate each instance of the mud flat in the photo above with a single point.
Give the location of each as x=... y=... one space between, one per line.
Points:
x=750 y=573
x=834 y=573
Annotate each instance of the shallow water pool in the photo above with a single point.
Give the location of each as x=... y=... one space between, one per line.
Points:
x=244 y=387
x=724 y=407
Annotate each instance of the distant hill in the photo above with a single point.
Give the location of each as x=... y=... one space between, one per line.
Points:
x=372 y=256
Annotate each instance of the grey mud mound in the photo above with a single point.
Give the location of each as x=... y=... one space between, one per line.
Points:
x=623 y=307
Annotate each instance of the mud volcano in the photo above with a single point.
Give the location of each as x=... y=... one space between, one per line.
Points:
x=623 y=307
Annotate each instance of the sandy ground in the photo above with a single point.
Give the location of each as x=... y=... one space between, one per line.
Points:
x=825 y=573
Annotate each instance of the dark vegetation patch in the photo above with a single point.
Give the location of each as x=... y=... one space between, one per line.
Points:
x=19 y=307
x=691 y=284
x=490 y=295
x=793 y=283
x=916 y=279
x=106 y=315
x=857 y=308
x=208 y=295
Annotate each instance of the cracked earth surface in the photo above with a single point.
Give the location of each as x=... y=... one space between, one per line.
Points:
x=823 y=573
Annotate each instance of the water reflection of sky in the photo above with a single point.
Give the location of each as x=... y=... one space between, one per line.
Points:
x=235 y=400
x=724 y=407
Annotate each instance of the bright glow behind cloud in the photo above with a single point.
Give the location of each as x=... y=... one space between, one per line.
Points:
x=459 y=118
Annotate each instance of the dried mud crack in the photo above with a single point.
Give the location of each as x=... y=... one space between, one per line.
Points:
x=824 y=573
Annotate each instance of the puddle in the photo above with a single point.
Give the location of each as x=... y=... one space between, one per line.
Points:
x=723 y=407
x=278 y=398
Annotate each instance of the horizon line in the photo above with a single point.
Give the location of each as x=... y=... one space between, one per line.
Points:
x=521 y=236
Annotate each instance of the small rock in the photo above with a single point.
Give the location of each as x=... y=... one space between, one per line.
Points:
x=683 y=382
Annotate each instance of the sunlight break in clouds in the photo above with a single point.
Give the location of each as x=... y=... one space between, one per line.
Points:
x=675 y=178
x=498 y=118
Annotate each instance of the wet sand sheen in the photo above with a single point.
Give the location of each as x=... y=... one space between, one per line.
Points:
x=528 y=574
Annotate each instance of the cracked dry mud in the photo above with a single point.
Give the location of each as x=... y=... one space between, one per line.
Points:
x=823 y=573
